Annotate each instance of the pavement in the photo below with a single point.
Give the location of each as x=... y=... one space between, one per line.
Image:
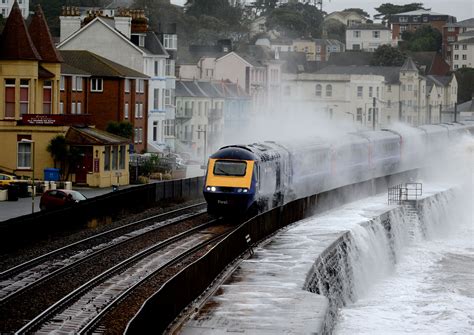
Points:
x=12 y=209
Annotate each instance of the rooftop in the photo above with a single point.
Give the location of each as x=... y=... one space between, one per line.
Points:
x=368 y=26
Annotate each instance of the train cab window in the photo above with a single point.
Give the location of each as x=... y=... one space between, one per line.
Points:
x=230 y=168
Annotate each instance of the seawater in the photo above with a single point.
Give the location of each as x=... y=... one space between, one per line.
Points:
x=420 y=280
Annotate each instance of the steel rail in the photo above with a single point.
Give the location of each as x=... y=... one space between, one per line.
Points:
x=61 y=304
x=67 y=267
x=95 y=321
x=28 y=264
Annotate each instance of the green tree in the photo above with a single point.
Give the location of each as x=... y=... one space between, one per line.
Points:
x=296 y=20
x=387 y=9
x=335 y=30
x=386 y=55
x=58 y=149
x=123 y=128
x=465 y=79
x=425 y=38
x=359 y=11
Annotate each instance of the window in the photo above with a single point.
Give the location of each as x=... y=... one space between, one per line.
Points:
x=96 y=85
x=170 y=41
x=371 y=91
x=155 y=131
x=126 y=111
x=170 y=67
x=114 y=157
x=456 y=66
x=61 y=107
x=403 y=28
x=410 y=87
x=122 y=157
x=329 y=90
x=73 y=108
x=156 y=96
x=140 y=135
x=61 y=83
x=403 y=19
x=24 y=155
x=319 y=88
x=127 y=85
x=360 y=91
x=167 y=97
x=24 y=96
x=425 y=19
x=47 y=95
x=141 y=40
x=464 y=57
x=416 y=18
x=77 y=83
x=79 y=108
x=355 y=46
x=356 y=33
x=169 y=127
x=450 y=29
x=135 y=135
x=140 y=86
x=137 y=110
x=261 y=27
x=389 y=88
x=378 y=91
x=9 y=98
x=107 y=159
x=359 y=114
x=456 y=57
x=376 y=34
x=157 y=68
x=451 y=39
x=456 y=47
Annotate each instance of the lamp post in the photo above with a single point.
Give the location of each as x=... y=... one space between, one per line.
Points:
x=24 y=140
x=205 y=145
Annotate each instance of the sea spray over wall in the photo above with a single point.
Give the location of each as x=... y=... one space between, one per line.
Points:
x=368 y=253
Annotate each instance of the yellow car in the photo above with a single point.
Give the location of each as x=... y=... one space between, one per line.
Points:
x=6 y=179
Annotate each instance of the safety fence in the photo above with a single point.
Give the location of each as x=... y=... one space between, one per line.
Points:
x=404 y=192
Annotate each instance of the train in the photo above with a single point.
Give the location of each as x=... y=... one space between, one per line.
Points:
x=256 y=177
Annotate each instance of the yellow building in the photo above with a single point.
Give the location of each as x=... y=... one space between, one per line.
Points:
x=30 y=71
x=306 y=46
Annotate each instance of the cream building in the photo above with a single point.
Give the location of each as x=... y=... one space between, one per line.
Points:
x=367 y=37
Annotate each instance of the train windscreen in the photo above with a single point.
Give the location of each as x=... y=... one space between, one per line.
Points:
x=230 y=168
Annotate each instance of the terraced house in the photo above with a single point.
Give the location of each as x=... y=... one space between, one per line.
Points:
x=31 y=114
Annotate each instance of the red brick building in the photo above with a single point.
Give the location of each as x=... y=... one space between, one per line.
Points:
x=91 y=84
x=411 y=21
x=451 y=32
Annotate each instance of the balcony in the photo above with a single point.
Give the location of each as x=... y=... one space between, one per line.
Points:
x=184 y=114
x=215 y=114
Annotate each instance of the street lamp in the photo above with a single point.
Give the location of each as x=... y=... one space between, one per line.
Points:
x=24 y=140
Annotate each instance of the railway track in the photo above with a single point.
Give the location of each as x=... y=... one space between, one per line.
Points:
x=82 y=310
x=47 y=278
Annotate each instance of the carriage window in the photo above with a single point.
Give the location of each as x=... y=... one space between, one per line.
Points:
x=230 y=168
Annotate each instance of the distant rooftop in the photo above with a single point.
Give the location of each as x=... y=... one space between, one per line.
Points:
x=368 y=26
x=420 y=12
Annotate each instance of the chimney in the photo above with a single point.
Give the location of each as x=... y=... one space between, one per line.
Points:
x=123 y=23
x=70 y=22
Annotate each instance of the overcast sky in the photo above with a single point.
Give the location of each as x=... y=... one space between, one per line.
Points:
x=461 y=9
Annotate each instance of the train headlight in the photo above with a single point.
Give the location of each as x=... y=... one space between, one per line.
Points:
x=239 y=190
x=208 y=188
x=245 y=190
x=213 y=188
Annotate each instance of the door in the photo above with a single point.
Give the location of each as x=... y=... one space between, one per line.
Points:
x=84 y=165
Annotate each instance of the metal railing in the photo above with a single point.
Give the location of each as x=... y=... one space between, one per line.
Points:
x=404 y=192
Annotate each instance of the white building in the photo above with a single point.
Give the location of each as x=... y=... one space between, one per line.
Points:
x=358 y=93
x=6 y=7
x=126 y=39
x=347 y=18
x=367 y=37
x=463 y=51
x=254 y=69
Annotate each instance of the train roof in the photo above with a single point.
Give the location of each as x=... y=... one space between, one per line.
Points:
x=377 y=135
x=433 y=128
x=234 y=152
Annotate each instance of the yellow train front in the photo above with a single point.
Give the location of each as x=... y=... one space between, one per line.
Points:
x=230 y=185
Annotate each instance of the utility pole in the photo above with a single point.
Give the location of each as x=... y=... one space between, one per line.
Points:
x=440 y=114
x=429 y=114
x=373 y=115
x=455 y=112
x=400 y=111
x=205 y=145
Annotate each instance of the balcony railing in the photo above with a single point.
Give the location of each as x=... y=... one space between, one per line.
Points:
x=215 y=113
x=186 y=113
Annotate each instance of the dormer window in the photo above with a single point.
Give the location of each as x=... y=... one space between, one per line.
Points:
x=170 y=42
x=141 y=41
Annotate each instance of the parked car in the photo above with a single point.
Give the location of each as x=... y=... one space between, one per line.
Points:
x=52 y=199
x=6 y=179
